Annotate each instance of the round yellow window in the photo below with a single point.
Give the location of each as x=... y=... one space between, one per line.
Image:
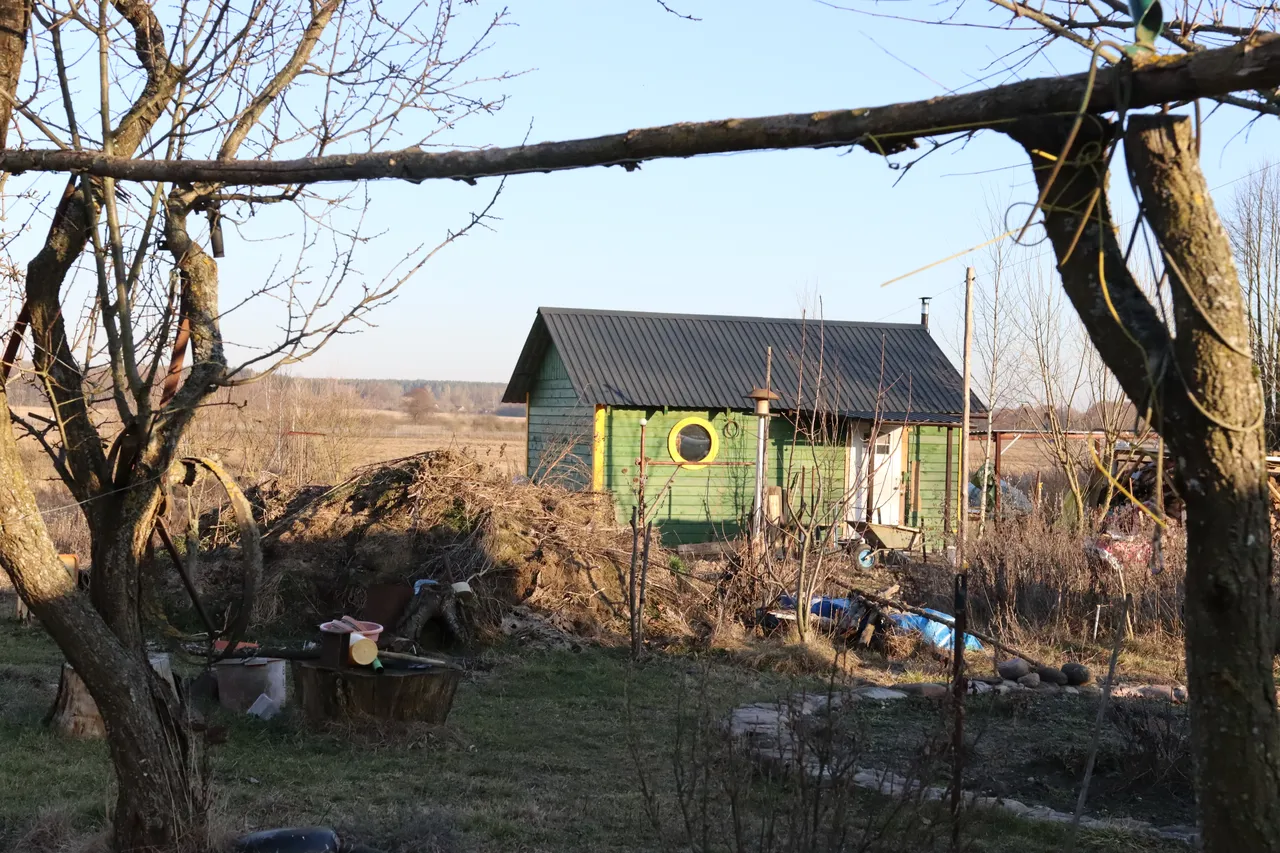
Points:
x=693 y=442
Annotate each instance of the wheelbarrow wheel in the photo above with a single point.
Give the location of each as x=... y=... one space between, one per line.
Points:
x=865 y=556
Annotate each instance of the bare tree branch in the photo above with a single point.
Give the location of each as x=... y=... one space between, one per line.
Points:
x=1251 y=64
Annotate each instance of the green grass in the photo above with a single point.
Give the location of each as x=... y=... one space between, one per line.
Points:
x=537 y=756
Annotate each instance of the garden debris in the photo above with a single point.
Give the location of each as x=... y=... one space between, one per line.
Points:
x=533 y=630
x=774 y=735
x=941 y=618
x=443 y=517
x=308 y=839
x=264 y=707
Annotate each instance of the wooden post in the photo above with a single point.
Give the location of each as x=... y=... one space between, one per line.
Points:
x=999 y=443
x=963 y=525
x=946 y=500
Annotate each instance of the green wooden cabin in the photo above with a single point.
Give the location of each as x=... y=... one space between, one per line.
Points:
x=865 y=424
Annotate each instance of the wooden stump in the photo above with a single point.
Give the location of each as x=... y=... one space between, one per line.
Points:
x=75 y=714
x=405 y=695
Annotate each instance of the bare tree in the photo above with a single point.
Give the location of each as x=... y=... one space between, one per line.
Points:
x=1057 y=377
x=1194 y=383
x=218 y=80
x=1253 y=222
x=994 y=348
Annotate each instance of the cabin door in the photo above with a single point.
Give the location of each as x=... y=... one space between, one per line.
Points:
x=878 y=467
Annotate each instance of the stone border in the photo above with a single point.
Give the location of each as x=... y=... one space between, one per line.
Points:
x=767 y=730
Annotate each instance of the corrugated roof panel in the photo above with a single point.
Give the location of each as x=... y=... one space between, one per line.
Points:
x=708 y=362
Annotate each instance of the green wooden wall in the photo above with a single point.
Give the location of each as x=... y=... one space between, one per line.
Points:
x=926 y=480
x=560 y=425
x=696 y=505
x=714 y=501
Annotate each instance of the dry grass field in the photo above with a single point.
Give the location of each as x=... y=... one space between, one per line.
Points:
x=319 y=443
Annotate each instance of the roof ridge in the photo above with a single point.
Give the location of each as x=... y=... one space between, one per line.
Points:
x=663 y=315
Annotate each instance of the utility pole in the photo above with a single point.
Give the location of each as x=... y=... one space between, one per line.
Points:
x=963 y=527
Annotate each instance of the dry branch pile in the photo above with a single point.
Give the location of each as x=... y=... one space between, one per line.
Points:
x=444 y=515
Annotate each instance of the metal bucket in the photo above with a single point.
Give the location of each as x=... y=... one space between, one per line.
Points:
x=241 y=682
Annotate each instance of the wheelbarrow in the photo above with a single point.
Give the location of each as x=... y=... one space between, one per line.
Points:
x=872 y=541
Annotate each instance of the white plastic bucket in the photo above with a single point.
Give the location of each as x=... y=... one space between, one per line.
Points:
x=241 y=682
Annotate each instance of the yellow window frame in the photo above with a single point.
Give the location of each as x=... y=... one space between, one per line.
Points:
x=673 y=442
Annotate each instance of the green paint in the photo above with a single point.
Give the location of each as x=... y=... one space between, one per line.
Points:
x=697 y=505
x=927 y=493
x=559 y=428
x=700 y=504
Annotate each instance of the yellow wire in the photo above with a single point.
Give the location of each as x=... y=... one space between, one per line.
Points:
x=950 y=257
x=1120 y=487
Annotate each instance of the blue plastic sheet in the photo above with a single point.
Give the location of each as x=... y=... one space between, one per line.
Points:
x=835 y=609
x=935 y=633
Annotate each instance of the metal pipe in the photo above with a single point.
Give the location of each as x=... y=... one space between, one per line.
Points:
x=762 y=398
x=762 y=434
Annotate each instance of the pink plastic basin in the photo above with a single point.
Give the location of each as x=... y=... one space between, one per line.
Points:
x=369 y=629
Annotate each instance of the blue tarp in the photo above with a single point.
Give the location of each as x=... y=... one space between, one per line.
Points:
x=834 y=609
x=935 y=633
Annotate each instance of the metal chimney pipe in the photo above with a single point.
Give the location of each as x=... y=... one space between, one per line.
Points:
x=924 y=310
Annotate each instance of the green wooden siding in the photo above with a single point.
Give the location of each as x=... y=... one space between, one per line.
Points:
x=927 y=461
x=560 y=425
x=695 y=505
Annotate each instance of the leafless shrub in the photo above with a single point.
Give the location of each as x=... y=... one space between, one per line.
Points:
x=800 y=788
x=1155 y=743
x=1034 y=574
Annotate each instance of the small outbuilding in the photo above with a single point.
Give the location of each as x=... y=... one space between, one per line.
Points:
x=864 y=421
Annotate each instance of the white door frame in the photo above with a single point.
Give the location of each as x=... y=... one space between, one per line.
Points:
x=886 y=481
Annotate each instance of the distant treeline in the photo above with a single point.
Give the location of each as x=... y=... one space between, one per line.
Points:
x=477 y=397
x=482 y=398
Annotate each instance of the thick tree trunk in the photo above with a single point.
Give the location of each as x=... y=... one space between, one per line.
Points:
x=162 y=800
x=1206 y=403
x=1221 y=469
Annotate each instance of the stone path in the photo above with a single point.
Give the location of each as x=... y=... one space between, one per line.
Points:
x=769 y=731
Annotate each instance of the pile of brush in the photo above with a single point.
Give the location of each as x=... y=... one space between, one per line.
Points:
x=444 y=516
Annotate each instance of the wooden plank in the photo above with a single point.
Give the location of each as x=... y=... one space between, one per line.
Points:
x=597 y=450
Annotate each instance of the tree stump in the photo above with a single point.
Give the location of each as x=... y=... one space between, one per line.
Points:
x=405 y=695
x=75 y=714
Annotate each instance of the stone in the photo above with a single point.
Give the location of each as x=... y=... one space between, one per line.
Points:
x=1050 y=675
x=809 y=704
x=1013 y=669
x=1007 y=686
x=928 y=691
x=1180 y=694
x=881 y=693
x=760 y=719
x=1156 y=691
x=1077 y=674
x=1030 y=680
x=1071 y=691
x=980 y=687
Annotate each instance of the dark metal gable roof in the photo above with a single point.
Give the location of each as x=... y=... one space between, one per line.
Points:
x=693 y=361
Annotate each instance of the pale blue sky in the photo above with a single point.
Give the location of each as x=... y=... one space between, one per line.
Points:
x=754 y=234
